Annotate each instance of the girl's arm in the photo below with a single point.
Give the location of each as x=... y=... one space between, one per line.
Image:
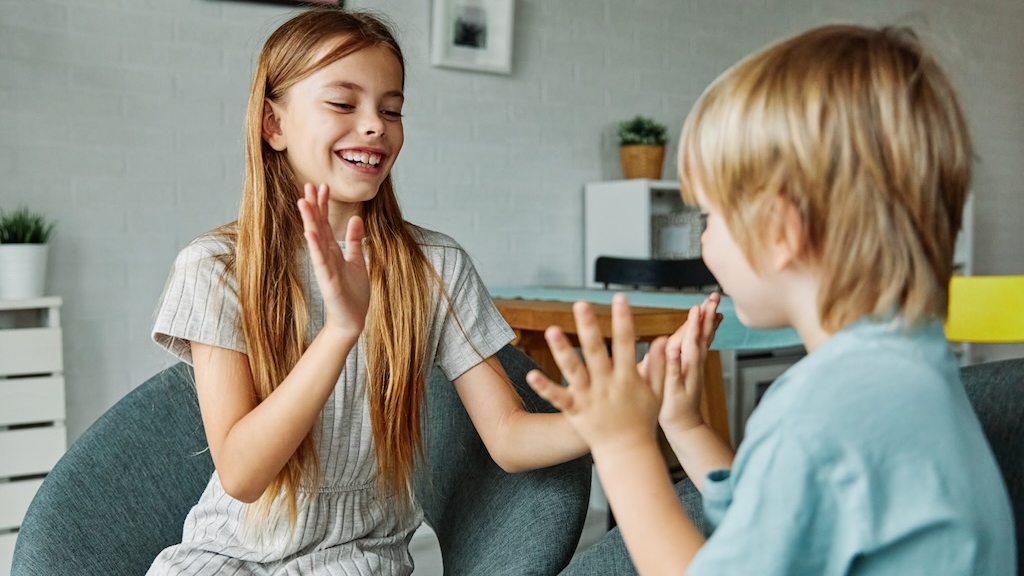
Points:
x=250 y=442
x=517 y=440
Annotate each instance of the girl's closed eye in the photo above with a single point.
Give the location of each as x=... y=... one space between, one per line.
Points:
x=342 y=106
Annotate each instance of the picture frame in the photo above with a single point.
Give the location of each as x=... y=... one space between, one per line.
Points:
x=300 y=3
x=473 y=35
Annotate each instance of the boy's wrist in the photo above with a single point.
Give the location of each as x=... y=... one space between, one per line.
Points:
x=619 y=445
x=682 y=425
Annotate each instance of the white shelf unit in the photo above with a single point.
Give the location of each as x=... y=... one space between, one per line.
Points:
x=32 y=411
x=617 y=219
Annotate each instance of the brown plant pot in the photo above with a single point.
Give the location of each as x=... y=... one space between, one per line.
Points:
x=642 y=161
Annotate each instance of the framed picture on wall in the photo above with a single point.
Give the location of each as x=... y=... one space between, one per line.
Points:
x=473 y=35
x=305 y=3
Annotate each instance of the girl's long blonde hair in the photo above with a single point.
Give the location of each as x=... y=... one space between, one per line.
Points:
x=268 y=234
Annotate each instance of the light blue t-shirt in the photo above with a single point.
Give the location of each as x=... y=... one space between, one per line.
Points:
x=863 y=458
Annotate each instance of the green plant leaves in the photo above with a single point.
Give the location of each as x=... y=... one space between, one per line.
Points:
x=23 y=226
x=642 y=130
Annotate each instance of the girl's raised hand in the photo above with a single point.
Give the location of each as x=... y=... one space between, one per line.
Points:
x=342 y=277
x=685 y=353
x=607 y=401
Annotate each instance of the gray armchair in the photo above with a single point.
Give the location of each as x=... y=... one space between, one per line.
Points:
x=121 y=492
x=996 y=390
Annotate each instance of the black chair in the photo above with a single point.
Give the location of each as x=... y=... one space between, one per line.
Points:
x=121 y=492
x=653 y=273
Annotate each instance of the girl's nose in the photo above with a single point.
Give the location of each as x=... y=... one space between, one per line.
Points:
x=372 y=124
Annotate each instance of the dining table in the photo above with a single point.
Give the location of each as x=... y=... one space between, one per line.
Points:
x=529 y=311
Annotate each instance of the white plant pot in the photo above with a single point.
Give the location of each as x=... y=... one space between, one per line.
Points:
x=22 y=271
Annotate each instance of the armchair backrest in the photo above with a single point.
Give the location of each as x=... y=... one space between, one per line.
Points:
x=121 y=492
x=996 y=390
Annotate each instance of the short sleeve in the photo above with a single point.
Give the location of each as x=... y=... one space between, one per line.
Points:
x=472 y=329
x=199 y=302
x=768 y=514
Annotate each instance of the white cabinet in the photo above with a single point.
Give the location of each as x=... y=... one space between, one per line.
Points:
x=32 y=433
x=637 y=218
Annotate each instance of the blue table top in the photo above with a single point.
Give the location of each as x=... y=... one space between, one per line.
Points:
x=731 y=335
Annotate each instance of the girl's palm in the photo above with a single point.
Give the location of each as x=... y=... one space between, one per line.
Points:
x=342 y=277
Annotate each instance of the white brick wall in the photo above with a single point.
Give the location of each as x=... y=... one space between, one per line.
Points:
x=122 y=119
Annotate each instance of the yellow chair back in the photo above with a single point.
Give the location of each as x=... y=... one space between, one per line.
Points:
x=986 y=309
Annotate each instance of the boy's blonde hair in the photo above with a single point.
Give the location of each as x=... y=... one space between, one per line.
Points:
x=861 y=131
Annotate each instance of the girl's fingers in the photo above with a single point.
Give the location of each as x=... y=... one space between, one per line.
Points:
x=354 y=240
x=557 y=395
x=623 y=334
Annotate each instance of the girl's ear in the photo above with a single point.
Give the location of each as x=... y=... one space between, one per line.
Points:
x=272 y=132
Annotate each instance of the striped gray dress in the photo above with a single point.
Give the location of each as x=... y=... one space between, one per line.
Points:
x=343 y=527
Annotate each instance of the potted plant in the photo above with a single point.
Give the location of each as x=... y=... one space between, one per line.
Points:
x=642 y=147
x=23 y=250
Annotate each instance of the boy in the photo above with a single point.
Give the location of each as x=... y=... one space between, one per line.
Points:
x=833 y=168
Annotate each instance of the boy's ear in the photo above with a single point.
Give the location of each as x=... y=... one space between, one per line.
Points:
x=788 y=238
x=272 y=132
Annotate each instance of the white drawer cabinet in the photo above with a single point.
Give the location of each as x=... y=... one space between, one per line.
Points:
x=32 y=410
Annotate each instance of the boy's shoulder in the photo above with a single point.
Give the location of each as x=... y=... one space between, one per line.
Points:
x=871 y=371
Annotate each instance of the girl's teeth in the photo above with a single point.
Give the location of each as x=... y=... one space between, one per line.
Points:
x=362 y=157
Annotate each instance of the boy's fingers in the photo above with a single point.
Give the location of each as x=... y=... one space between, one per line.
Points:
x=656 y=368
x=556 y=394
x=592 y=342
x=623 y=334
x=565 y=356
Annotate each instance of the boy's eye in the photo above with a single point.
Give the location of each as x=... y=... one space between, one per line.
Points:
x=395 y=114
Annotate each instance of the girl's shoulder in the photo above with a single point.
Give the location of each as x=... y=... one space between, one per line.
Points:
x=429 y=239
x=213 y=243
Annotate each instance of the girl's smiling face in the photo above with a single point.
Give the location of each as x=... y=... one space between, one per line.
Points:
x=342 y=126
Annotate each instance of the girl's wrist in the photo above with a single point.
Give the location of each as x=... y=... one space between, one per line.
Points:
x=340 y=336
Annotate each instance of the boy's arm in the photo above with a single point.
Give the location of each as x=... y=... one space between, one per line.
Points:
x=614 y=408
x=695 y=444
x=658 y=534
x=700 y=451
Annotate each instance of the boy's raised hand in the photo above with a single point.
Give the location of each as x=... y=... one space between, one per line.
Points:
x=342 y=277
x=607 y=401
x=685 y=353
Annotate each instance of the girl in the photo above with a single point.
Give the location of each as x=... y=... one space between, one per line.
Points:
x=310 y=356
